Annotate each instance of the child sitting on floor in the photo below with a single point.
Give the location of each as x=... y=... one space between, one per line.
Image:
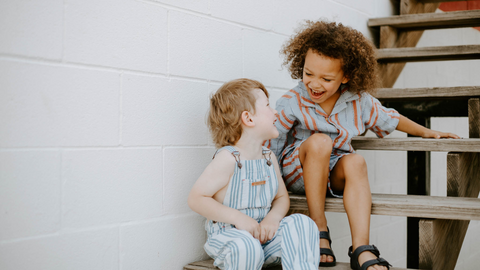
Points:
x=241 y=191
x=317 y=121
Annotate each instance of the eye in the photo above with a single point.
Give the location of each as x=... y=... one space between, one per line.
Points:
x=327 y=80
x=308 y=74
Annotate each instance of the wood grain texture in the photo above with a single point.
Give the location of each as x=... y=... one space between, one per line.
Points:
x=406 y=206
x=426 y=245
x=389 y=72
x=433 y=92
x=388 y=37
x=474 y=117
x=454 y=19
x=463 y=170
x=208 y=264
x=395 y=55
x=441 y=1
x=463 y=180
x=416 y=144
x=414 y=7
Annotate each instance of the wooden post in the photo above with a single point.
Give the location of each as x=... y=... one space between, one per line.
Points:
x=418 y=178
x=426 y=244
x=441 y=240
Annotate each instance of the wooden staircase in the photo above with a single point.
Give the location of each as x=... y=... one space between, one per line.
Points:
x=436 y=225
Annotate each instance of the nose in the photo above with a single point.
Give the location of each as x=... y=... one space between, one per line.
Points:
x=315 y=84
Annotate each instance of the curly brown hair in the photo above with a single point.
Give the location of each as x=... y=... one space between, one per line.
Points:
x=336 y=41
x=226 y=108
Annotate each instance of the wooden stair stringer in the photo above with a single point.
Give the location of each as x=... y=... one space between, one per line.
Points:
x=392 y=38
x=441 y=240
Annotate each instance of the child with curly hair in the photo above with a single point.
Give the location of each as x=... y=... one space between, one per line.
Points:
x=241 y=192
x=317 y=121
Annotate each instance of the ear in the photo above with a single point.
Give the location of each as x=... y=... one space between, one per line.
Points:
x=345 y=79
x=247 y=119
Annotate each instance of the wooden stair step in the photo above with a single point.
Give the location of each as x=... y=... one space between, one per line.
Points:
x=397 y=55
x=416 y=144
x=423 y=21
x=208 y=264
x=441 y=1
x=463 y=92
x=458 y=208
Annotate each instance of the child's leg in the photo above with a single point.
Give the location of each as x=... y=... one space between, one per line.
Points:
x=350 y=175
x=235 y=250
x=296 y=243
x=315 y=158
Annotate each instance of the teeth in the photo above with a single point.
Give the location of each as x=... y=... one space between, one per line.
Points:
x=315 y=92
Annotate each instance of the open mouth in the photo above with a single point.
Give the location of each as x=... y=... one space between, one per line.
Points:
x=316 y=94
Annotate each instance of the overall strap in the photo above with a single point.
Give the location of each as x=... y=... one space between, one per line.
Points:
x=232 y=151
x=267 y=153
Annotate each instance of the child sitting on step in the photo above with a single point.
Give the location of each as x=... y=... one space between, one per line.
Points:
x=317 y=121
x=241 y=192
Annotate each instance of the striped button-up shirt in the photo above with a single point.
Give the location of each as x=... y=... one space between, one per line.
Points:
x=299 y=117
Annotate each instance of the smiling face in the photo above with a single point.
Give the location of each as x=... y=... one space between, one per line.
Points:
x=322 y=77
x=265 y=116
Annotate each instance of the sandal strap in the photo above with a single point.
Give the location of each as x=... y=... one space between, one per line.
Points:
x=377 y=261
x=326 y=235
x=354 y=264
x=373 y=249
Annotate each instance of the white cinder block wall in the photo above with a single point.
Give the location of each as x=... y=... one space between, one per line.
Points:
x=102 y=129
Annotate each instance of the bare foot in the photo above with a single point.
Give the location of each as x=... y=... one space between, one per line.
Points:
x=367 y=256
x=325 y=244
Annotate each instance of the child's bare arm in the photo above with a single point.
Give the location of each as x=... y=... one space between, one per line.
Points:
x=412 y=128
x=215 y=177
x=280 y=206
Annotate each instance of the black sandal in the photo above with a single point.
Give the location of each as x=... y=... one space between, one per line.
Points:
x=373 y=249
x=327 y=251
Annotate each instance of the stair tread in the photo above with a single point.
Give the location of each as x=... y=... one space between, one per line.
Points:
x=414 y=54
x=208 y=264
x=416 y=144
x=406 y=205
x=428 y=92
x=422 y=21
x=439 y=1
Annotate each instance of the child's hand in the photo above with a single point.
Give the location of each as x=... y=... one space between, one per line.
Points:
x=250 y=225
x=437 y=135
x=268 y=228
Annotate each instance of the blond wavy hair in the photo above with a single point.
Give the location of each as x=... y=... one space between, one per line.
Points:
x=226 y=107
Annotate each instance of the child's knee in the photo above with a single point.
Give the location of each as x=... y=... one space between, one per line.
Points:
x=299 y=220
x=319 y=143
x=248 y=248
x=356 y=161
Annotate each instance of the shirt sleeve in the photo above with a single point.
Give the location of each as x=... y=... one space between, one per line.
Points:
x=382 y=121
x=285 y=122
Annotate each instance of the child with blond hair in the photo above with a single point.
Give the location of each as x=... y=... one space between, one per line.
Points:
x=241 y=192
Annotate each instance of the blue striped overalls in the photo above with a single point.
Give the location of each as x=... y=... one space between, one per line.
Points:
x=251 y=190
